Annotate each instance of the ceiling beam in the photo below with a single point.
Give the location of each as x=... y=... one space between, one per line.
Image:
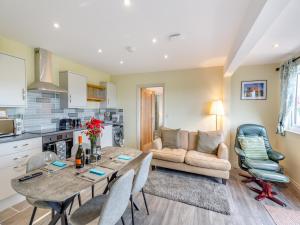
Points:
x=252 y=30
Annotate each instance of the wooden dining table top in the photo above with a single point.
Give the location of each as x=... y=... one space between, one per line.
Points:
x=65 y=183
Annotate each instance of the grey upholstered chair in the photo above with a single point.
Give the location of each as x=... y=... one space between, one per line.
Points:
x=139 y=182
x=35 y=162
x=109 y=208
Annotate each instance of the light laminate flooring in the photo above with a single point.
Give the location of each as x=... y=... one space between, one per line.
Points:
x=245 y=209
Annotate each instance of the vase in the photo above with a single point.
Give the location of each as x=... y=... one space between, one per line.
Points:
x=95 y=156
x=93 y=147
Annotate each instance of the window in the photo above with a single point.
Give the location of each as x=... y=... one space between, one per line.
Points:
x=296 y=112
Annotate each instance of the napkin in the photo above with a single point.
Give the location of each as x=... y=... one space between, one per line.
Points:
x=97 y=172
x=124 y=157
x=59 y=164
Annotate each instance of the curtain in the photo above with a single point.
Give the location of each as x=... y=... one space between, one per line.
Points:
x=288 y=77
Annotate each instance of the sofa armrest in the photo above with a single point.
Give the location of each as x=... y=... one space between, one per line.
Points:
x=275 y=156
x=240 y=152
x=157 y=144
x=223 y=152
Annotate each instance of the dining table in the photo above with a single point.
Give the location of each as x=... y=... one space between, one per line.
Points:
x=59 y=188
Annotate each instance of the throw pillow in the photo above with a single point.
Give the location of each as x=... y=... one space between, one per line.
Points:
x=170 y=138
x=254 y=147
x=208 y=142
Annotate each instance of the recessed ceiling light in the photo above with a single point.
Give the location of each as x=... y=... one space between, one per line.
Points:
x=127 y=3
x=99 y=50
x=154 y=40
x=121 y=62
x=56 y=25
x=276 y=45
x=166 y=56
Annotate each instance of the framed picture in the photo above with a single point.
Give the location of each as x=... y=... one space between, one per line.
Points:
x=254 y=90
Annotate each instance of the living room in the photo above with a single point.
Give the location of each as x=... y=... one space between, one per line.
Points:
x=213 y=140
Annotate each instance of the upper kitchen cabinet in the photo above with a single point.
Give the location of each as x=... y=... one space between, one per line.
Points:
x=110 y=95
x=13 y=81
x=76 y=85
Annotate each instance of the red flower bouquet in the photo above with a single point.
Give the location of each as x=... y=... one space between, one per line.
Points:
x=94 y=130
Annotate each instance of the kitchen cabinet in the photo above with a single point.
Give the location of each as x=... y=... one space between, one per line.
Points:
x=13 y=159
x=13 y=81
x=110 y=95
x=76 y=85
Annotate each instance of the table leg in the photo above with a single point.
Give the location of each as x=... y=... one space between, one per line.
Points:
x=60 y=209
x=114 y=176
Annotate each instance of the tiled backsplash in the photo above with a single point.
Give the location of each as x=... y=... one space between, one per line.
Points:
x=43 y=112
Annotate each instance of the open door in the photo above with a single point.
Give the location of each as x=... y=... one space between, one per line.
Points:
x=151 y=114
x=147 y=110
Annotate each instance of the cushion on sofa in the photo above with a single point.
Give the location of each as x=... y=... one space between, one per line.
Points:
x=167 y=154
x=204 y=160
x=183 y=141
x=193 y=136
x=170 y=138
x=208 y=142
x=157 y=144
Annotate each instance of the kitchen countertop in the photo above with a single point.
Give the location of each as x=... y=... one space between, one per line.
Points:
x=18 y=137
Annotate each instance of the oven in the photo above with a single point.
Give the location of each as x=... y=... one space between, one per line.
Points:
x=60 y=143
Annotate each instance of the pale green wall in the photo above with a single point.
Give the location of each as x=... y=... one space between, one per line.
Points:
x=18 y=49
x=188 y=94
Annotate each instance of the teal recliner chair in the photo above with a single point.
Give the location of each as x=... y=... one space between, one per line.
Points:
x=263 y=172
x=272 y=164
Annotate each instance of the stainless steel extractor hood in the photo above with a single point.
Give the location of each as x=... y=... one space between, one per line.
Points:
x=43 y=73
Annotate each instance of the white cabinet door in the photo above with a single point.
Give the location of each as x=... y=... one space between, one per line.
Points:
x=13 y=159
x=111 y=95
x=106 y=137
x=76 y=85
x=12 y=81
x=77 y=91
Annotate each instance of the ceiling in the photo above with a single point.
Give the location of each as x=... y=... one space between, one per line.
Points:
x=285 y=32
x=208 y=31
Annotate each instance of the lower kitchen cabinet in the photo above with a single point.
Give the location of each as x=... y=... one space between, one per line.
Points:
x=13 y=159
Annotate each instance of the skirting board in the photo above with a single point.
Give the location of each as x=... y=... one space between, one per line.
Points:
x=10 y=201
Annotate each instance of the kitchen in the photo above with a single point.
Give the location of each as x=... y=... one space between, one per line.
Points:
x=41 y=116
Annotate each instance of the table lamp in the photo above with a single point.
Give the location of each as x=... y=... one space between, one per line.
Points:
x=217 y=109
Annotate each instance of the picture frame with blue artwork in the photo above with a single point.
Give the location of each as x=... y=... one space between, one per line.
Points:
x=254 y=90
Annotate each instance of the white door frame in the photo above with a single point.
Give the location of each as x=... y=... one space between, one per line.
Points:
x=138 y=107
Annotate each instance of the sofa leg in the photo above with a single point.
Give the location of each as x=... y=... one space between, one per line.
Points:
x=153 y=168
x=224 y=181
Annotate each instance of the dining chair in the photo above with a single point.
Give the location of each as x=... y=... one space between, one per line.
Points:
x=139 y=182
x=37 y=161
x=109 y=208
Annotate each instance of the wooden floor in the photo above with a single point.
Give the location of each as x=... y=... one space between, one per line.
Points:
x=245 y=210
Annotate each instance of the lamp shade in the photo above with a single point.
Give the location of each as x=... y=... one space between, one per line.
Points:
x=217 y=108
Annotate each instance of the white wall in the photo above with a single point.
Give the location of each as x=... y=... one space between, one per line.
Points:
x=188 y=94
x=264 y=112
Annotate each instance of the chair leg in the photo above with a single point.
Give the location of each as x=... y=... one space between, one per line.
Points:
x=53 y=213
x=32 y=215
x=79 y=199
x=145 y=201
x=132 y=211
x=71 y=207
x=93 y=191
x=122 y=219
x=135 y=206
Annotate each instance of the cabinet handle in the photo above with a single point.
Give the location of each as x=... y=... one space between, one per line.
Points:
x=25 y=156
x=16 y=167
x=16 y=158
x=70 y=98
x=25 y=145
x=15 y=146
x=23 y=93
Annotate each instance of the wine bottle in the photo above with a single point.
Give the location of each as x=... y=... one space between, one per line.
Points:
x=79 y=158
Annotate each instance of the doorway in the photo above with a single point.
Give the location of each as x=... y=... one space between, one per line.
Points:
x=151 y=114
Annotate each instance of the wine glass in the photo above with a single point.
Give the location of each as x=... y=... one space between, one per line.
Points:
x=122 y=142
x=48 y=158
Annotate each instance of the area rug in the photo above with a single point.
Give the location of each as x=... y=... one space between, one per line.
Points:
x=284 y=216
x=191 y=189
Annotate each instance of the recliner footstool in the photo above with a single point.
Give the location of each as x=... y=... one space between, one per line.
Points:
x=264 y=178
